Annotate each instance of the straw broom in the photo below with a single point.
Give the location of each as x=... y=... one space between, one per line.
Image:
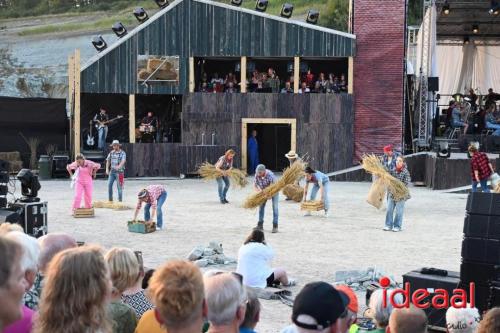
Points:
x=208 y=172
x=372 y=164
x=290 y=176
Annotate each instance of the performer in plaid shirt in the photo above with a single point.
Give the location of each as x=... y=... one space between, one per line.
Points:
x=264 y=178
x=481 y=169
x=154 y=196
x=394 y=222
x=224 y=164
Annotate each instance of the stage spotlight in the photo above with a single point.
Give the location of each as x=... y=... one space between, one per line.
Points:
x=312 y=16
x=466 y=40
x=29 y=185
x=475 y=28
x=162 y=3
x=444 y=150
x=261 y=5
x=140 y=14
x=286 y=10
x=446 y=8
x=119 y=29
x=494 y=8
x=99 y=43
x=236 y=2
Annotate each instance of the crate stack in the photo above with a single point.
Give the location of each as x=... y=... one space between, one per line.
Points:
x=481 y=248
x=4 y=182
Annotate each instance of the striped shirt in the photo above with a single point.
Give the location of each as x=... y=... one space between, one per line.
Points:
x=154 y=192
x=263 y=182
x=115 y=158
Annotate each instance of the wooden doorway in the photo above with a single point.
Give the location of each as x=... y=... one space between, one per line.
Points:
x=283 y=125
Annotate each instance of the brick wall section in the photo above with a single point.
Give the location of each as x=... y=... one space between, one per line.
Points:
x=378 y=74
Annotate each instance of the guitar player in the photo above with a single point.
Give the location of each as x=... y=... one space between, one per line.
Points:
x=101 y=119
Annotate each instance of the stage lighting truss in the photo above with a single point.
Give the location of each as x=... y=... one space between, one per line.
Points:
x=99 y=43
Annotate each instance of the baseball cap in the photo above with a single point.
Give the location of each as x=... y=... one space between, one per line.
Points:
x=322 y=302
x=388 y=148
x=353 y=305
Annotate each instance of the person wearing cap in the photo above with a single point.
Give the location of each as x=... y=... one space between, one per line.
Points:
x=253 y=151
x=352 y=309
x=320 y=183
x=224 y=164
x=263 y=179
x=292 y=157
x=319 y=308
x=84 y=173
x=395 y=207
x=389 y=158
x=154 y=197
x=115 y=169
x=462 y=320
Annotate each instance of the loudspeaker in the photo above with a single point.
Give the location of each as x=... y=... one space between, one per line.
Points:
x=8 y=216
x=482 y=226
x=483 y=203
x=433 y=83
x=481 y=250
x=479 y=273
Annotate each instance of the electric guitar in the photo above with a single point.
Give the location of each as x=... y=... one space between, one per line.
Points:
x=101 y=124
x=90 y=137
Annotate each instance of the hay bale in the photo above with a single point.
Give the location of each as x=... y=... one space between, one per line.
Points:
x=294 y=192
x=312 y=206
x=376 y=194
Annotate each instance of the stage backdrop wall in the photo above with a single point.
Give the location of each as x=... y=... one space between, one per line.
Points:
x=43 y=118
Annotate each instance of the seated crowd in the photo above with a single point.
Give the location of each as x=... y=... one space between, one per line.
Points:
x=51 y=285
x=270 y=82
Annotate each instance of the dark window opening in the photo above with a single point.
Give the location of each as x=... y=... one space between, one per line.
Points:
x=274 y=141
x=217 y=75
x=323 y=76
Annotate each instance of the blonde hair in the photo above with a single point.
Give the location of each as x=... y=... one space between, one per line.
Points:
x=472 y=148
x=79 y=157
x=75 y=292
x=123 y=268
x=7 y=227
x=229 y=152
x=177 y=291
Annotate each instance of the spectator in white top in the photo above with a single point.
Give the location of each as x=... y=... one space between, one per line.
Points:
x=462 y=320
x=253 y=263
x=303 y=88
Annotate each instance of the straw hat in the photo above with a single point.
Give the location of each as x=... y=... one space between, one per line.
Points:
x=115 y=142
x=291 y=154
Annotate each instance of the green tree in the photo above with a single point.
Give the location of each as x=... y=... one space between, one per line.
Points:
x=415 y=12
x=336 y=15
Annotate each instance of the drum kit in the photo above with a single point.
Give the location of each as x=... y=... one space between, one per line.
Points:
x=146 y=133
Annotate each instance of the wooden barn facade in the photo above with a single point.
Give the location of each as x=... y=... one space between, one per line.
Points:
x=182 y=42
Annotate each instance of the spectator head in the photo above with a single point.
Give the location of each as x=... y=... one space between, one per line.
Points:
x=317 y=85
x=31 y=254
x=490 y=322
x=102 y=110
x=226 y=300
x=50 y=245
x=256 y=236
x=12 y=282
x=352 y=306
x=75 y=293
x=462 y=320
x=230 y=84
x=287 y=85
x=150 y=114
x=124 y=268
x=408 y=320
x=319 y=307
x=490 y=91
x=147 y=277
x=377 y=311
x=259 y=84
x=177 y=291
x=8 y=227
x=252 y=313
x=303 y=85
x=472 y=149
x=204 y=85
x=260 y=170
x=321 y=76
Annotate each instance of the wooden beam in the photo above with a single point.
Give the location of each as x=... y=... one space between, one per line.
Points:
x=131 y=118
x=350 y=76
x=191 y=75
x=296 y=74
x=243 y=69
x=244 y=139
x=351 y=16
x=77 y=102
x=290 y=121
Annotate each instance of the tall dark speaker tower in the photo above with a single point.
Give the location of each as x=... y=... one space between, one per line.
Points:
x=433 y=83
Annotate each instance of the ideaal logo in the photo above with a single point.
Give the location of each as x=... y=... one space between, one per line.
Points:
x=440 y=299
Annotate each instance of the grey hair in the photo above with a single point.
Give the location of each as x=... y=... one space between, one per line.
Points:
x=379 y=312
x=224 y=295
x=260 y=167
x=31 y=250
x=462 y=320
x=51 y=244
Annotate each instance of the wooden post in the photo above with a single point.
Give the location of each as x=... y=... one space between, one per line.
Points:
x=131 y=118
x=71 y=91
x=350 y=76
x=296 y=74
x=77 y=102
x=243 y=69
x=244 y=146
x=191 y=75
x=350 y=22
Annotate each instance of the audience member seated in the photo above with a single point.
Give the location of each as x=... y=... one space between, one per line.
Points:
x=309 y=79
x=252 y=314
x=50 y=245
x=491 y=122
x=490 y=322
x=378 y=312
x=408 y=320
x=323 y=82
x=177 y=291
x=226 y=299
x=230 y=88
x=204 y=87
x=75 y=293
x=456 y=121
x=12 y=282
x=343 y=83
x=273 y=81
x=317 y=88
x=253 y=263
x=124 y=272
x=217 y=83
x=352 y=309
x=462 y=320
x=304 y=89
x=287 y=89
x=29 y=265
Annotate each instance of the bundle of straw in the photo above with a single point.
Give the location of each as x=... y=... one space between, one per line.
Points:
x=294 y=192
x=290 y=176
x=111 y=204
x=312 y=205
x=372 y=164
x=497 y=188
x=209 y=172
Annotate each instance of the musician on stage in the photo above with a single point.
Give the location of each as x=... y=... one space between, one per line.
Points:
x=150 y=124
x=491 y=98
x=101 y=120
x=83 y=171
x=473 y=99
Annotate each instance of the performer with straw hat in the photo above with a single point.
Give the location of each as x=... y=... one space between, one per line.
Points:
x=292 y=157
x=115 y=168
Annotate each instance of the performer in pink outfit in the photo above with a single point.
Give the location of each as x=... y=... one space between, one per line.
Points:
x=85 y=171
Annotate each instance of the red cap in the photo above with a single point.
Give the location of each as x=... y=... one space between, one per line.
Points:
x=387 y=148
x=353 y=299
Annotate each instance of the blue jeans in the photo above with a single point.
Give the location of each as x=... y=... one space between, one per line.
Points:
x=102 y=133
x=484 y=185
x=262 y=210
x=114 y=176
x=391 y=220
x=314 y=192
x=159 y=215
x=223 y=187
x=496 y=127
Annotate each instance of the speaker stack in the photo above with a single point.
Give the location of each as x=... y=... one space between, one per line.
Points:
x=481 y=248
x=4 y=182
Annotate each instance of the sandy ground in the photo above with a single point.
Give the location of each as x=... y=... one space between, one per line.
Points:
x=310 y=248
